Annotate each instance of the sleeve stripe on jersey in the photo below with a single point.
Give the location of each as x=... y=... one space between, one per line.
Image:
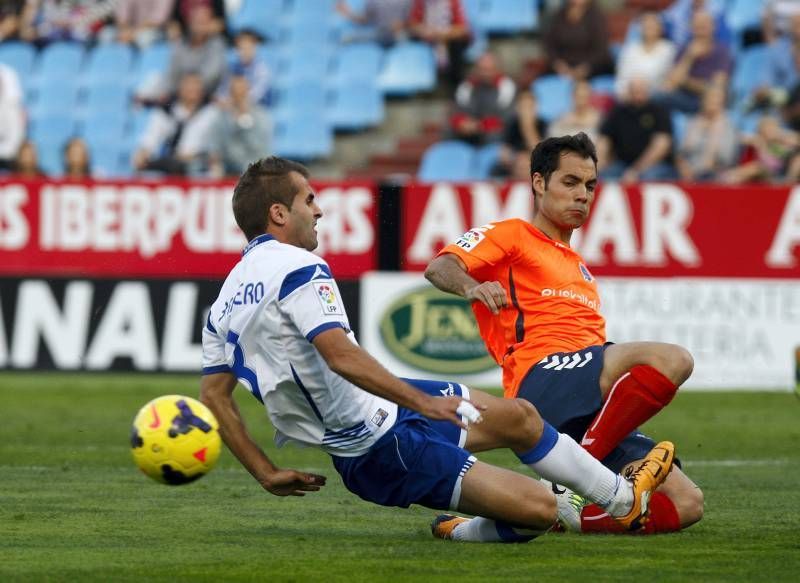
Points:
x=216 y=369
x=322 y=327
x=209 y=325
x=300 y=277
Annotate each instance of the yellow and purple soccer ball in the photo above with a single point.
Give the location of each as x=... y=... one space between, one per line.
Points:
x=175 y=439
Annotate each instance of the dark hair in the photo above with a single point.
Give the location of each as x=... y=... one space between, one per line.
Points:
x=546 y=156
x=264 y=183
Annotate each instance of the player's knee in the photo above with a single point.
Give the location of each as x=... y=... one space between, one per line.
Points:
x=527 y=426
x=539 y=513
x=678 y=363
x=690 y=509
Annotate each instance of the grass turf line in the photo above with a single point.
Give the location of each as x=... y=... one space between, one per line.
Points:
x=73 y=507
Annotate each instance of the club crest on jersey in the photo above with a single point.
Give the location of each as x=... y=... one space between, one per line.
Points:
x=327 y=297
x=585 y=272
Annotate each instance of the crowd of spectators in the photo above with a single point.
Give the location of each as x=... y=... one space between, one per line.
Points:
x=664 y=109
x=659 y=106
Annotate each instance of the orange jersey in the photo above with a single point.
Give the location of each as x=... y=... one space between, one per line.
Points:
x=554 y=304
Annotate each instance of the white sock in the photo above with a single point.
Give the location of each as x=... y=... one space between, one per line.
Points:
x=567 y=463
x=485 y=530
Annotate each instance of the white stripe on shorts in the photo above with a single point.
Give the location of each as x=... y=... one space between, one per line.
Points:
x=456 y=497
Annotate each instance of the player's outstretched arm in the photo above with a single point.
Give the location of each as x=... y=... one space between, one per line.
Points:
x=216 y=392
x=352 y=362
x=448 y=273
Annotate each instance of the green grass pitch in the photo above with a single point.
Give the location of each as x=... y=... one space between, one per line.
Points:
x=74 y=508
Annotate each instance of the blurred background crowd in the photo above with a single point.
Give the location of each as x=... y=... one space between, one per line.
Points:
x=687 y=90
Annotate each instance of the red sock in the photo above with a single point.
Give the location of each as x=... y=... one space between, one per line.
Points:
x=638 y=395
x=663 y=518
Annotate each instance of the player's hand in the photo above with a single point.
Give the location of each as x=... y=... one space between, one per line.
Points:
x=446 y=409
x=292 y=483
x=491 y=294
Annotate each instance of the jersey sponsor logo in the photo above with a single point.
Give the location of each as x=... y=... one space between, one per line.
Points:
x=321 y=271
x=435 y=332
x=549 y=292
x=585 y=272
x=328 y=298
x=450 y=391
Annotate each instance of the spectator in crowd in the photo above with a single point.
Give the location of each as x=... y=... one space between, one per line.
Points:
x=524 y=129
x=201 y=52
x=702 y=62
x=709 y=145
x=791 y=109
x=778 y=15
x=249 y=63
x=636 y=138
x=649 y=57
x=770 y=155
x=241 y=132
x=77 y=162
x=142 y=22
x=27 y=163
x=176 y=140
x=783 y=68
x=10 y=18
x=386 y=18
x=180 y=24
x=45 y=21
x=678 y=18
x=482 y=102
x=584 y=116
x=12 y=117
x=576 y=41
x=442 y=24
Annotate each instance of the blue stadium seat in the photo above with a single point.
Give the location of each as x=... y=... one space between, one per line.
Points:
x=20 y=57
x=303 y=31
x=604 y=84
x=108 y=161
x=100 y=99
x=153 y=62
x=356 y=106
x=303 y=67
x=742 y=14
x=448 y=160
x=554 y=94
x=358 y=62
x=55 y=96
x=263 y=16
x=60 y=60
x=751 y=71
x=312 y=9
x=679 y=122
x=303 y=138
x=408 y=68
x=105 y=128
x=108 y=64
x=509 y=16
x=485 y=160
x=50 y=134
x=304 y=95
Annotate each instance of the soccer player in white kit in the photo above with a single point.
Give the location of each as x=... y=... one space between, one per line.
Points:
x=279 y=328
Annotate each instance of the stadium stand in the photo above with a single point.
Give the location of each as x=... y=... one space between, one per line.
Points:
x=324 y=84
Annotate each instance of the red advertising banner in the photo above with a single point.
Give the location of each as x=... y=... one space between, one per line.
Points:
x=658 y=229
x=174 y=229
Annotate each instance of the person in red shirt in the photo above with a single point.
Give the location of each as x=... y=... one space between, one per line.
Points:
x=443 y=25
x=538 y=312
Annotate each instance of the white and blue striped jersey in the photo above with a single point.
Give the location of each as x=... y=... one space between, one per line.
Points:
x=271 y=306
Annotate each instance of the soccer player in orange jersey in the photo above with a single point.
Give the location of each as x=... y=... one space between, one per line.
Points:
x=537 y=308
